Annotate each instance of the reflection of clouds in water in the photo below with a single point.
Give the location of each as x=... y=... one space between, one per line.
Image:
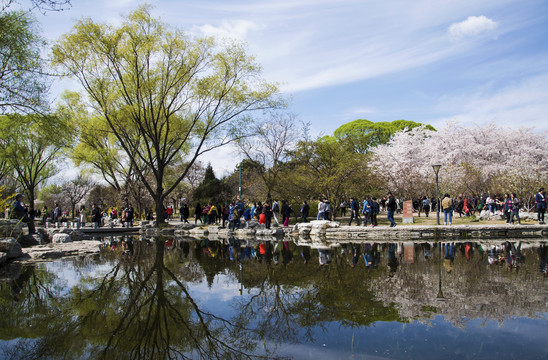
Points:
x=69 y=276
x=224 y=288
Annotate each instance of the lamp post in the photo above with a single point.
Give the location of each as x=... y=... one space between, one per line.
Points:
x=241 y=290
x=440 y=296
x=240 y=186
x=436 y=171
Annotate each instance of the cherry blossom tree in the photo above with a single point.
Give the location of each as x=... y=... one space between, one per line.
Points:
x=482 y=159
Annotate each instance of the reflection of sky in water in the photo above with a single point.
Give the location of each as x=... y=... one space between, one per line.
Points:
x=521 y=338
x=518 y=338
x=430 y=339
x=67 y=275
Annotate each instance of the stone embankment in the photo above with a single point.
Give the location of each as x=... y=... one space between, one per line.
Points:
x=47 y=244
x=332 y=232
x=213 y=232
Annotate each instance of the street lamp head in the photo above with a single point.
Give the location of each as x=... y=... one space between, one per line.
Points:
x=436 y=169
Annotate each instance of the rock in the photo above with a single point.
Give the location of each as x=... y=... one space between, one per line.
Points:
x=59 y=250
x=10 y=228
x=168 y=231
x=3 y=257
x=75 y=235
x=245 y=232
x=224 y=232
x=524 y=215
x=11 y=247
x=60 y=238
x=213 y=229
x=186 y=226
x=44 y=236
x=151 y=231
x=29 y=240
x=268 y=232
x=484 y=215
x=199 y=232
x=254 y=223
x=319 y=226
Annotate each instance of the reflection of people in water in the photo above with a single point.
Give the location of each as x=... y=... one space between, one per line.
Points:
x=305 y=254
x=468 y=250
x=355 y=254
x=543 y=259
x=287 y=254
x=427 y=248
x=513 y=255
x=276 y=253
x=392 y=259
x=371 y=255
x=324 y=257
x=449 y=257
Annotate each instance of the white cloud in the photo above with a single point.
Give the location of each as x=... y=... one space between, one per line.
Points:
x=472 y=26
x=521 y=104
x=237 y=29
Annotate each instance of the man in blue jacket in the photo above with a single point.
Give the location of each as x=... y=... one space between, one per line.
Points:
x=354 y=212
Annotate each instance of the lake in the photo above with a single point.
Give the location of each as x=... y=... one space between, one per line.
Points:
x=187 y=298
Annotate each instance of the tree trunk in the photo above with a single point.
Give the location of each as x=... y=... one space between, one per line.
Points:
x=159 y=209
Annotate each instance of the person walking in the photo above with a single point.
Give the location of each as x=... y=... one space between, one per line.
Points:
x=185 y=213
x=366 y=210
x=391 y=208
x=286 y=212
x=82 y=217
x=507 y=207
x=375 y=208
x=516 y=205
x=304 y=211
x=198 y=213
x=426 y=205
x=267 y=211
x=96 y=216
x=276 y=211
x=354 y=212
x=327 y=209
x=321 y=210
x=540 y=201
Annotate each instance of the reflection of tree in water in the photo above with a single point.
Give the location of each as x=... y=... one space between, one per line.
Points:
x=139 y=309
x=290 y=304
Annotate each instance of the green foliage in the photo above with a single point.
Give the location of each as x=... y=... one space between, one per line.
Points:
x=211 y=189
x=165 y=98
x=362 y=134
x=325 y=167
x=23 y=84
x=31 y=144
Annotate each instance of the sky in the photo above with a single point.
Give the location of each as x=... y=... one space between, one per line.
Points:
x=428 y=61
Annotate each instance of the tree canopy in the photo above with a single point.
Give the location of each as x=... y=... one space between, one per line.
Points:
x=362 y=134
x=31 y=145
x=483 y=159
x=166 y=98
x=23 y=83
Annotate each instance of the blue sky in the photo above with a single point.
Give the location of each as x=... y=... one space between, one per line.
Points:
x=427 y=60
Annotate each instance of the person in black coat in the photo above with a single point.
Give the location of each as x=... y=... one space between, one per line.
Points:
x=305 y=209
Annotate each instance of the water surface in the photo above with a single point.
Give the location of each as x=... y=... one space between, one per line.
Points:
x=185 y=298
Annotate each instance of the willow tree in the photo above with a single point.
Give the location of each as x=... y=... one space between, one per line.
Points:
x=23 y=84
x=166 y=97
x=31 y=145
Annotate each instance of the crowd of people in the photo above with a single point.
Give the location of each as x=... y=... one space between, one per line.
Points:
x=237 y=213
